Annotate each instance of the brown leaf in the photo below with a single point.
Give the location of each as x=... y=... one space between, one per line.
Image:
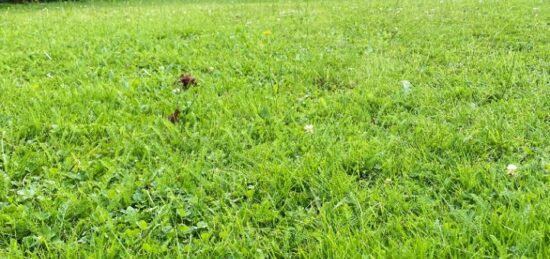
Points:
x=174 y=117
x=187 y=80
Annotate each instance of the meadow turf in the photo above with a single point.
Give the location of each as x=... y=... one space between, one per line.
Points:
x=300 y=140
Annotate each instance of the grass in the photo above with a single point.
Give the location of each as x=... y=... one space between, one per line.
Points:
x=91 y=166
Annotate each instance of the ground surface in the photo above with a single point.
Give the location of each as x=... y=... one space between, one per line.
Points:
x=90 y=164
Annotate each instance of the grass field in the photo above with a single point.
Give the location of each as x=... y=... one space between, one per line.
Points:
x=333 y=129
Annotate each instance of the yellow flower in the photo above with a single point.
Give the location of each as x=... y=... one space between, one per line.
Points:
x=267 y=33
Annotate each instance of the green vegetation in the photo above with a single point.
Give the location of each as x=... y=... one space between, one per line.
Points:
x=302 y=138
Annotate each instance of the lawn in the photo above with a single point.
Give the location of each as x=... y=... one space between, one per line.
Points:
x=320 y=129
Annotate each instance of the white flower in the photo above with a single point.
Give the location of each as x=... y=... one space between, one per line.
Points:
x=407 y=86
x=511 y=169
x=308 y=128
x=176 y=90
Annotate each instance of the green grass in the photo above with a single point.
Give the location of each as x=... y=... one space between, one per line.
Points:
x=90 y=166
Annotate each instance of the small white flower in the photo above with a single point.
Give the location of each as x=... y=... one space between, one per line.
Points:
x=308 y=128
x=303 y=98
x=511 y=169
x=176 y=90
x=407 y=86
